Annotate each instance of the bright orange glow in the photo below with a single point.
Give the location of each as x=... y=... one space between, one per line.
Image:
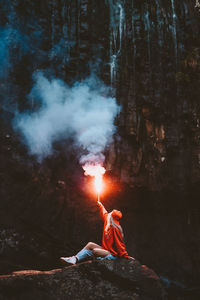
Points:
x=97 y=172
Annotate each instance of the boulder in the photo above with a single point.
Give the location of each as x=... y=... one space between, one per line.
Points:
x=99 y=279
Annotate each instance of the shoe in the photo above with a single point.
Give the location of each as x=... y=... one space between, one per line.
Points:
x=70 y=260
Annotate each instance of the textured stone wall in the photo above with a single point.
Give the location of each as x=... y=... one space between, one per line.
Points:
x=156 y=83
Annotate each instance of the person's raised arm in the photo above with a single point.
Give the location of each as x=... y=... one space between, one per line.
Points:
x=102 y=210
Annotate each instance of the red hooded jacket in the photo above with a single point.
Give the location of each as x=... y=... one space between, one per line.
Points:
x=112 y=239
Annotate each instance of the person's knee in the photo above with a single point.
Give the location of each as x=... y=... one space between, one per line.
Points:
x=95 y=251
x=89 y=246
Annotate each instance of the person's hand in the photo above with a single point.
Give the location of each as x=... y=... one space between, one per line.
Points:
x=132 y=258
x=98 y=203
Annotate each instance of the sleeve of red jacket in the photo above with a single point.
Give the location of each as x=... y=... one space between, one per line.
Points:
x=103 y=211
x=119 y=244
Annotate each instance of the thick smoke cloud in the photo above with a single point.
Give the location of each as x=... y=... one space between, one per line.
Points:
x=83 y=111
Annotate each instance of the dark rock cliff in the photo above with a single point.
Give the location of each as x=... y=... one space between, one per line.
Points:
x=148 y=51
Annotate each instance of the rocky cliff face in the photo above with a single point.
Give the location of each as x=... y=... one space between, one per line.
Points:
x=153 y=46
x=148 y=52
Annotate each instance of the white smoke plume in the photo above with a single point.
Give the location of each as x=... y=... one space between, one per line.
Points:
x=83 y=111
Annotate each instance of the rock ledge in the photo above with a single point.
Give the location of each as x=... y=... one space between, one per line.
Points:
x=122 y=279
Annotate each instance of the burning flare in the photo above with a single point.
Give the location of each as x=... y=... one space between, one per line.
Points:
x=97 y=171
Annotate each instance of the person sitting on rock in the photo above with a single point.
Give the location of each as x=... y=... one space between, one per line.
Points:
x=113 y=245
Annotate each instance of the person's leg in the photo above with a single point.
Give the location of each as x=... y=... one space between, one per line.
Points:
x=86 y=252
x=99 y=252
x=91 y=246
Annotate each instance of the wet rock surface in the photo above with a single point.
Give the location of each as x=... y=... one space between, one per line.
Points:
x=123 y=279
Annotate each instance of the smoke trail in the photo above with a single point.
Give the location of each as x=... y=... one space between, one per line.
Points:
x=82 y=111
